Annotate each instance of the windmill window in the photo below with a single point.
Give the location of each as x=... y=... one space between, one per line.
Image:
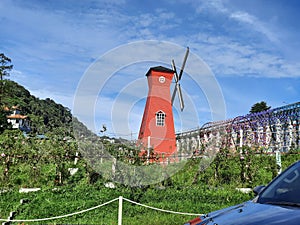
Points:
x=160 y=119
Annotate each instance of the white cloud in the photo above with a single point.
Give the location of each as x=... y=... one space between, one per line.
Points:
x=227 y=57
x=237 y=54
x=255 y=24
x=212 y=5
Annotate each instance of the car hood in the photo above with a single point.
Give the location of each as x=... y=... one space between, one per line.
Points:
x=251 y=213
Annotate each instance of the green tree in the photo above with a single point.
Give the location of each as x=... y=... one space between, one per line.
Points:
x=259 y=107
x=5 y=65
x=3 y=120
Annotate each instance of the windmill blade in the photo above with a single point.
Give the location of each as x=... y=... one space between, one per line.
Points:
x=178 y=90
x=174 y=93
x=175 y=71
x=184 y=61
x=176 y=81
x=177 y=78
x=180 y=97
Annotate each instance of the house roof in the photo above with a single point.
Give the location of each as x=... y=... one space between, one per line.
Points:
x=16 y=116
x=6 y=108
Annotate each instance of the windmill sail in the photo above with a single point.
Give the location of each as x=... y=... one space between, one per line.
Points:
x=177 y=78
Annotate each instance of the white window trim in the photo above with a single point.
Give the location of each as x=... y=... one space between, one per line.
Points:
x=160 y=117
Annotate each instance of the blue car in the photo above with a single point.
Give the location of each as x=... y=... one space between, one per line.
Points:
x=277 y=203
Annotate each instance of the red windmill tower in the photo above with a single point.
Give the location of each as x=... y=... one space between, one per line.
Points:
x=157 y=130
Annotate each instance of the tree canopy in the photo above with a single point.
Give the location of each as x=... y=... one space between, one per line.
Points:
x=5 y=65
x=259 y=107
x=45 y=115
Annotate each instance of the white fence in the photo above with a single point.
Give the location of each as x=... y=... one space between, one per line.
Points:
x=120 y=212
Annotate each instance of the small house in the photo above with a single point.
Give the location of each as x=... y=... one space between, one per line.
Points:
x=17 y=120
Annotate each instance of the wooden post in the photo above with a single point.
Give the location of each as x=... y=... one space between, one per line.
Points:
x=148 y=149
x=76 y=158
x=241 y=138
x=120 y=210
x=278 y=161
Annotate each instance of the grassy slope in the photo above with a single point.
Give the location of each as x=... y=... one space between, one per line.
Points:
x=181 y=195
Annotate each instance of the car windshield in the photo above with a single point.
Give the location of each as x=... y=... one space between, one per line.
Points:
x=284 y=190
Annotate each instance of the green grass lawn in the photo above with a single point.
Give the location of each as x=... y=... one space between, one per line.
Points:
x=66 y=200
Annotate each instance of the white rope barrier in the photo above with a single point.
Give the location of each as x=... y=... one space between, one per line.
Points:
x=120 y=199
x=59 y=217
x=162 y=210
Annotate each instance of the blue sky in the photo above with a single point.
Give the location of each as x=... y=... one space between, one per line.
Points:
x=251 y=48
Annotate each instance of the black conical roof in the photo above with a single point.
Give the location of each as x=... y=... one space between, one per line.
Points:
x=160 y=69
